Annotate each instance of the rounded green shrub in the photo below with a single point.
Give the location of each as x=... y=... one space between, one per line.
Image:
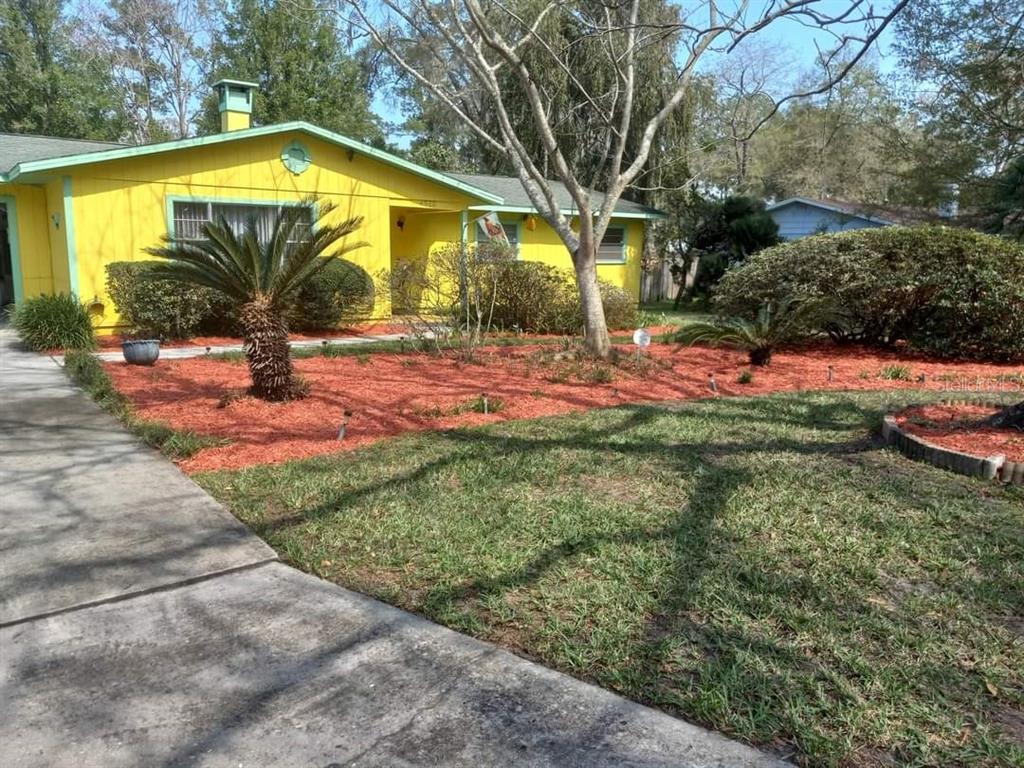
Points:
x=161 y=308
x=57 y=321
x=526 y=296
x=539 y=298
x=340 y=291
x=620 y=307
x=954 y=293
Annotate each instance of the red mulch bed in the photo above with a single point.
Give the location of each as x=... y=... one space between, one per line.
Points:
x=957 y=427
x=390 y=393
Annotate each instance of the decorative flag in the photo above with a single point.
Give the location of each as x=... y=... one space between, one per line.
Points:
x=489 y=228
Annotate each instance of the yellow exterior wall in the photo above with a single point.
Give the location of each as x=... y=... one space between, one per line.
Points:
x=543 y=244
x=121 y=207
x=230 y=120
x=34 y=258
x=425 y=232
x=56 y=215
x=422 y=234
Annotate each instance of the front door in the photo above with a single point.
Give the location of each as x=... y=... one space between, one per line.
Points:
x=6 y=266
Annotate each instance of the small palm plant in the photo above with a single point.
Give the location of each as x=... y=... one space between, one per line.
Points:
x=776 y=323
x=261 y=277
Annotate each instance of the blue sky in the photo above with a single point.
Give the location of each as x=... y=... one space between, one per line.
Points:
x=801 y=41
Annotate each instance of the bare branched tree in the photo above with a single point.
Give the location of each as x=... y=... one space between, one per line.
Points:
x=490 y=62
x=153 y=50
x=746 y=84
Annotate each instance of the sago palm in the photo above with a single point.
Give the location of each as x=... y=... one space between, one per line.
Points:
x=775 y=324
x=261 y=277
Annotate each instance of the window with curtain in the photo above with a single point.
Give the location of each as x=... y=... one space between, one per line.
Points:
x=190 y=216
x=613 y=245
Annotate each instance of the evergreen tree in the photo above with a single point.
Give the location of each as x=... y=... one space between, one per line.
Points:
x=302 y=65
x=50 y=86
x=964 y=61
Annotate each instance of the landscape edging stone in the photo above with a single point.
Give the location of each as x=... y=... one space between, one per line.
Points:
x=919 y=449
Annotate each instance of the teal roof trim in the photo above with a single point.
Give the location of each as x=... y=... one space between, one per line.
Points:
x=516 y=199
x=650 y=213
x=36 y=166
x=22 y=147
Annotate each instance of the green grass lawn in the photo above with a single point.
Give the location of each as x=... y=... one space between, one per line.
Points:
x=759 y=566
x=663 y=313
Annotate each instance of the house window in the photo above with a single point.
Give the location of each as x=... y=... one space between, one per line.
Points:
x=191 y=216
x=511 y=232
x=613 y=245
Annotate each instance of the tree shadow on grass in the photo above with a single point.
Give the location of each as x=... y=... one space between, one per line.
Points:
x=746 y=670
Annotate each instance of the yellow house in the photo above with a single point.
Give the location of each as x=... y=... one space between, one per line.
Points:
x=69 y=208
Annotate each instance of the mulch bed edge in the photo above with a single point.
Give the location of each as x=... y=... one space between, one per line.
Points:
x=919 y=449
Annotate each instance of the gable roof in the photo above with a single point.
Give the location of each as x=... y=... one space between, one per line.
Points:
x=859 y=210
x=99 y=154
x=517 y=201
x=22 y=154
x=25 y=147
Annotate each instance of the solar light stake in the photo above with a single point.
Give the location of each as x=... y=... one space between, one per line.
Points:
x=711 y=383
x=483 y=397
x=344 y=424
x=831 y=373
x=207 y=350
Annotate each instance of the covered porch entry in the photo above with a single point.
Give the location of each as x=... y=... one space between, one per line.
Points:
x=416 y=233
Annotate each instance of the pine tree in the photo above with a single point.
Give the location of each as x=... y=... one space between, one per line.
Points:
x=302 y=65
x=50 y=86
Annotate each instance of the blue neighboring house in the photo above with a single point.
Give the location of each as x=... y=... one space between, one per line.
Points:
x=804 y=216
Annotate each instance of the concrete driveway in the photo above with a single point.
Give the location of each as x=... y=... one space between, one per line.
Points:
x=142 y=625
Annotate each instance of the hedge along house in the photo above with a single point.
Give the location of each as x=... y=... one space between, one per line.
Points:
x=70 y=208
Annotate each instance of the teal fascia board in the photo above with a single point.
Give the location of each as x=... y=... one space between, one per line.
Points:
x=37 y=166
x=652 y=213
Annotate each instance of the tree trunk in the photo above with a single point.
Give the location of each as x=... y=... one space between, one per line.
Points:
x=1010 y=417
x=598 y=343
x=265 y=337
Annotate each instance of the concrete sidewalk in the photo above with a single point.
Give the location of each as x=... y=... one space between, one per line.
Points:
x=179 y=353
x=142 y=625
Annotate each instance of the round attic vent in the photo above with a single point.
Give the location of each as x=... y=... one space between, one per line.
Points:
x=296 y=157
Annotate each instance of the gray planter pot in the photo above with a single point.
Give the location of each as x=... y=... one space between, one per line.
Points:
x=141 y=351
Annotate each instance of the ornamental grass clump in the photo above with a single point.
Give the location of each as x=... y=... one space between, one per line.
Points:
x=58 y=321
x=261 y=277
